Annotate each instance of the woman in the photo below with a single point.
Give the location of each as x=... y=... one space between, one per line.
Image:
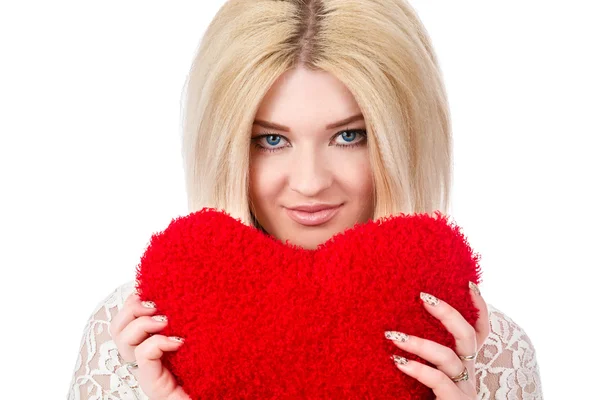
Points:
x=303 y=118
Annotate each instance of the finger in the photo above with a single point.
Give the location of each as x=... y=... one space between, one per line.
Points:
x=141 y=328
x=482 y=325
x=455 y=323
x=149 y=353
x=132 y=309
x=444 y=358
x=433 y=378
x=136 y=332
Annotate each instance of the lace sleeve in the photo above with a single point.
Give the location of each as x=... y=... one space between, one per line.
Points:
x=98 y=373
x=506 y=366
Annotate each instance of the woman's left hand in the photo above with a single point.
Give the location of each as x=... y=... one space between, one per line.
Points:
x=454 y=377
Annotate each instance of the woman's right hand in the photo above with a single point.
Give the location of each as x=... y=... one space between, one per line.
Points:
x=133 y=330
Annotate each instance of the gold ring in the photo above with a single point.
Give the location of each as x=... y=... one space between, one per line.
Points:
x=474 y=356
x=462 y=377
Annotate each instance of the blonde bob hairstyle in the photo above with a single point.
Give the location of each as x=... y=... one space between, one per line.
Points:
x=378 y=48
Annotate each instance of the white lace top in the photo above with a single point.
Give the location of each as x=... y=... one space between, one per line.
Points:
x=506 y=366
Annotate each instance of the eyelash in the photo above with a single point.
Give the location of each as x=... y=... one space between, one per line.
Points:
x=360 y=132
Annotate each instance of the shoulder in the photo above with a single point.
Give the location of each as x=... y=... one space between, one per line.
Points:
x=108 y=307
x=505 y=332
x=506 y=365
x=116 y=298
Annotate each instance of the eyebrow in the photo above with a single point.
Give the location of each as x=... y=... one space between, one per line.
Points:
x=272 y=125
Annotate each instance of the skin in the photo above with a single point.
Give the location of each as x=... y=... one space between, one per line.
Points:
x=304 y=164
x=309 y=163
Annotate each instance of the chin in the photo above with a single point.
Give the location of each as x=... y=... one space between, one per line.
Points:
x=311 y=239
x=309 y=244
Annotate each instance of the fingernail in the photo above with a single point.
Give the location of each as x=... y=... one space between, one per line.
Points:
x=397 y=336
x=429 y=299
x=148 y=304
x=176 y=339
x=399 y=360
x=159 y=318
x=474 y=288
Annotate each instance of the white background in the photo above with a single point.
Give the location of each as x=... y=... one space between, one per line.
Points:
x=90 y=166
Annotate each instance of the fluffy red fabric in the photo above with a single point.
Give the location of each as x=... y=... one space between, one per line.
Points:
x=267 y=320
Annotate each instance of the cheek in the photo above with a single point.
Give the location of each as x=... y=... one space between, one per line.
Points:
x=265 y=180
x=364 y=193
x=356 y=174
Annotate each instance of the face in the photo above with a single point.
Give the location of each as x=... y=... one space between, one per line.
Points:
x=310 y=175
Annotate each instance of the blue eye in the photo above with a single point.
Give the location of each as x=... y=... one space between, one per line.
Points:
x=269 y=142
x=348 y=136
x=273 y=140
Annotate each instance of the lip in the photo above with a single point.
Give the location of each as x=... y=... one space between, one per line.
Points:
x=313 y=214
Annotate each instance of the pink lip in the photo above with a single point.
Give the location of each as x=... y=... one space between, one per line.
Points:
x=312 y=215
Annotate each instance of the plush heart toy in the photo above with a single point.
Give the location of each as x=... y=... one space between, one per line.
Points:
x=267 y=320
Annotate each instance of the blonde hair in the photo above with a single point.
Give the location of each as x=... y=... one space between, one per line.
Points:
x=379 y=49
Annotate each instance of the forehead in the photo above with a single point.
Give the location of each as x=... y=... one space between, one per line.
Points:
x=301 y=98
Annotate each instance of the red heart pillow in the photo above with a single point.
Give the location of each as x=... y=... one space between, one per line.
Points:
x=267 y=320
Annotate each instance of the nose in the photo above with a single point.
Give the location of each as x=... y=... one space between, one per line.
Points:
x=309 y=173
